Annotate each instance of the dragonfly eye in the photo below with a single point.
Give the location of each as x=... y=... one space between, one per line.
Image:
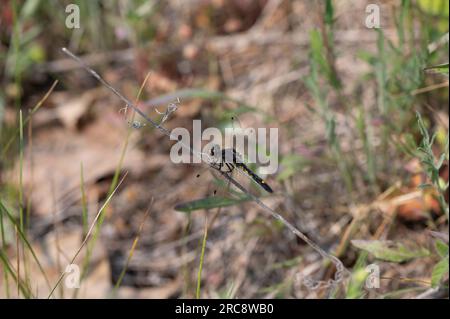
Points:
x=214 y=150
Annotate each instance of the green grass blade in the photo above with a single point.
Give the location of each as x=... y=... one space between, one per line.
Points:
x=7 y=268
x=439 y=271
x=23 y=238
x=440 y=68
x=21 y=171
x=2 y=236
x=27 y=119
x=200 y=266
x=209 y=203
x=84 y=210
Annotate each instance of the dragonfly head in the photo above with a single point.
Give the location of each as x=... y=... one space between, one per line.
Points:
x=215 y=150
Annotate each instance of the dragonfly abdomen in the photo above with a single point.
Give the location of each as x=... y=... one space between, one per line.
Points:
x=255 y=177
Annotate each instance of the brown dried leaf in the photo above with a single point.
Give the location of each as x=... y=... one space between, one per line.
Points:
x=70 y=111
x=56 y=157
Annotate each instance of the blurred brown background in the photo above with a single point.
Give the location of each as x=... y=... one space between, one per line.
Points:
x=344 y=97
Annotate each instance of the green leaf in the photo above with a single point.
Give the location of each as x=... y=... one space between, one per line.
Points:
x=434 y=7
x=317 y=51
x=209 y=203
x=439 y=270
x=441 y=160
x=390 y=251
x=441 y=248
x=440 y=68
x=355 y=286
x=329 y=12
x=29 y=8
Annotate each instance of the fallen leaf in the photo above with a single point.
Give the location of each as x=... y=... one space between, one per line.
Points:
x=70 y=111
x=54 y=181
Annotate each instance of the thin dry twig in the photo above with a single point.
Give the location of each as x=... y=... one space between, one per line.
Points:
x=86 y=238
x=28 y=118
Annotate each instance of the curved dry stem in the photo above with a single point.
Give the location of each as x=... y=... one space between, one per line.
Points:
x=86 y=238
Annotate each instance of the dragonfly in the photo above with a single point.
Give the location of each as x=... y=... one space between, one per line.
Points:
x=226 y=160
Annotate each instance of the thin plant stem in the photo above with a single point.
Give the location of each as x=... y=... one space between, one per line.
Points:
x=94 y=222
x=28 y=118
x=131 y=252
x=202 y=256
x=5 y=273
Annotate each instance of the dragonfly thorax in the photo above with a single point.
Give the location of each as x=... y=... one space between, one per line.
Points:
x=228 y=155
x=229 y=159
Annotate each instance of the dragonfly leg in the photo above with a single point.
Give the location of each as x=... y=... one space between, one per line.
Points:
x=218 y=166
x=230 y=167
